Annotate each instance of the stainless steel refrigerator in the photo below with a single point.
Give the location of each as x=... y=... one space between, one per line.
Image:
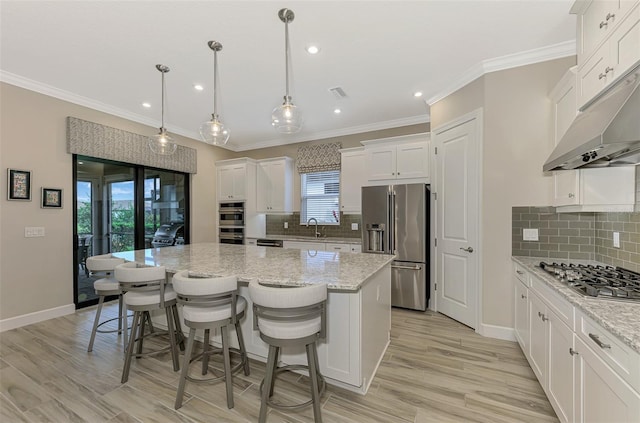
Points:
x=395 y=220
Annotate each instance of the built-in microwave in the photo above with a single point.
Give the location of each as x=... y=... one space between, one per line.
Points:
x=231 y=223
x=231 y=214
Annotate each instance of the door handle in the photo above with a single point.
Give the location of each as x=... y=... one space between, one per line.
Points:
x=597 y=340
x=468 y=249
x=416 y=267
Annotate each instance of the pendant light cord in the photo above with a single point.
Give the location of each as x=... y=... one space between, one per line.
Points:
x=215 y=79
x=162 y=107
x=286 y=58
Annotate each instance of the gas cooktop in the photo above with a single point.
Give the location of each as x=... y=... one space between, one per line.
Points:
x=614 y=283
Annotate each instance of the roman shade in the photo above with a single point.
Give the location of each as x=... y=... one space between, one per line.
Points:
x=104 y=142
x=319 y=157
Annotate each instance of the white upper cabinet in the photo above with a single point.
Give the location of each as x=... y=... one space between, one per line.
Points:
x=232 y=180
x=352 y=178
x=608 y=43
x=405 y=157
x=275 y=185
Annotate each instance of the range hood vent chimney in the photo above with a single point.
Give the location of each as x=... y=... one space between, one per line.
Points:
x=607 y=132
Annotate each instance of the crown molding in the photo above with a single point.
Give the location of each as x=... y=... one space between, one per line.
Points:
x=396 y=123
x=543 y=54
x=48 y=90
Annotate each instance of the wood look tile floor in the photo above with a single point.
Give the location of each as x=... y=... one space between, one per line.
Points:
x=435 y=370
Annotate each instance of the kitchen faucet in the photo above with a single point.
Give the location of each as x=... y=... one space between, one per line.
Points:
x=317 y=234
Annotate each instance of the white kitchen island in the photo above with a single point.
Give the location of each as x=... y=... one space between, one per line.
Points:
x=358 y=304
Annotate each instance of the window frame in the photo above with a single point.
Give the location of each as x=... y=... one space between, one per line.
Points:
x=304 y=197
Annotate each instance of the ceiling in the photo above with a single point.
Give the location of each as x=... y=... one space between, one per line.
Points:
x=102 y=54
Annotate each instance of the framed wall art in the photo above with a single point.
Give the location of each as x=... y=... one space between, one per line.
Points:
x=18 y=185
x=51 y=198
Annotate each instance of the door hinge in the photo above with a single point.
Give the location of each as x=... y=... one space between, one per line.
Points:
x=436 y=150
x=435 y=242
x=435 y=196
x=435 y=287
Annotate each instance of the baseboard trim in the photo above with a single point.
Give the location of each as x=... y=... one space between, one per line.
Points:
x=36 y=317
x=498 y=332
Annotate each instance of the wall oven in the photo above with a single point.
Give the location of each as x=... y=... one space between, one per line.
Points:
x=231 y=223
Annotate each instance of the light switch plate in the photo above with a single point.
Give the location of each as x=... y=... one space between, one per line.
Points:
x=530 y=234
x=616 y=239
x=354 y=226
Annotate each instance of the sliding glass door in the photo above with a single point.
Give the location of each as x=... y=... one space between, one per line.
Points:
x=122 y=207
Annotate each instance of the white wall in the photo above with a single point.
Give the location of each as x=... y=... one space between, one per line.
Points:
x=516 y=142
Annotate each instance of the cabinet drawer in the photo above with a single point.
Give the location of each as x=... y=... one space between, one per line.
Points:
x=521 y=273
x=622 y=359
x=561 y=307
x=337 y=247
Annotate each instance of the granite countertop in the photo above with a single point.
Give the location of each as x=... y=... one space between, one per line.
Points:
x=336 y=240
x=621 y=318
x=280 y=266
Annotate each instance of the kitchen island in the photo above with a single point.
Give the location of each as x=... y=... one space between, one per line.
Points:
x=358 y=304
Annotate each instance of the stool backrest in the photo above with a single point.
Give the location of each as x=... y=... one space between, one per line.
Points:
x=103 y=263
x=202 y=290
x=136 y=277
x=296 y=303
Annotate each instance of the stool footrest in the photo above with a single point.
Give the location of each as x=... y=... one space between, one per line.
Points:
x=216 y=350
x=291 y=407
x=111 y=330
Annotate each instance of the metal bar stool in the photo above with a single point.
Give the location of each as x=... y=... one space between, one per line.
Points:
x=146 y=291
x=210 y=302
x=105 y=264
x=287 y=317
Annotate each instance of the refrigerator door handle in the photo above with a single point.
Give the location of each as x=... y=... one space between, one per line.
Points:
x=392 y=222
x=416 y=267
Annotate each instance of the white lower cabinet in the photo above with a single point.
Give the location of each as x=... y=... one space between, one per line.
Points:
x=587 y=374
x=304 y=245
x=602 y=395
x=323 y=246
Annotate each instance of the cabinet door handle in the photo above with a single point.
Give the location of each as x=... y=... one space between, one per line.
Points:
x=523 y=296
x=597 y=340
x=543 y=317
x=571 y=195
x=519 y=272
x=572 y=351
x=603 y=24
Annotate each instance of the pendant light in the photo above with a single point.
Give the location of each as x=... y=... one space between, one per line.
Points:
x=286 y=118
x=214 y=132
x=162 y=143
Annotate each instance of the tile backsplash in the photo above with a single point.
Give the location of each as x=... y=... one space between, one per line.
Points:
x=587 y=236
x=275 y=226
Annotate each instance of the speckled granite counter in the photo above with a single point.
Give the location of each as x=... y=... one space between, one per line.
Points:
x=621 y=318
x=341 y=271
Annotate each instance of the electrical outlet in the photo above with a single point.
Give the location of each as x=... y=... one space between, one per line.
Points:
x=530 y=234
x=354 y=226
x=286 y=225
x=616 y=239
x=33 y=231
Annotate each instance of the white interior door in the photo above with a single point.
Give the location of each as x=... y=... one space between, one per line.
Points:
x=457 y=261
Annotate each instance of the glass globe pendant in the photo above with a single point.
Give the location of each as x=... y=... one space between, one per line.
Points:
x=162 y=143
x=214 y=132
x=287 y=118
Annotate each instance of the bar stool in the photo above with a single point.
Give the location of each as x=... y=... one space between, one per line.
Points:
x=104 y=265
x=146 y=291
x=210 y=302
x=290 y=317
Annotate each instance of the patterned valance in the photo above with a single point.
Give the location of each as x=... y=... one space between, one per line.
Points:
x=319 y=157
x=95 y=140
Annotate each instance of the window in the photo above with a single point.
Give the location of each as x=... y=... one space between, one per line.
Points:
x=320 y=197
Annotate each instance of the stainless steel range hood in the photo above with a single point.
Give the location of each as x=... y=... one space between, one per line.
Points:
x=607 y=133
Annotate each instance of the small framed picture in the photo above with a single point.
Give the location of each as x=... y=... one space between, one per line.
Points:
x=51 y=198
x=18 y=185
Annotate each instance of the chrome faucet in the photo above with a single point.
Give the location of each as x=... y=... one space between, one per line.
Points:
x=317 y=234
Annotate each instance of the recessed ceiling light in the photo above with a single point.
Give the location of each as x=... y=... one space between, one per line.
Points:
x=313 y=49
x=146 y=105
x=337 y=111
x=417 y=94
x=198 y=87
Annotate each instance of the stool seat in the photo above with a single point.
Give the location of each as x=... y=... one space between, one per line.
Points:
x=290 y=317
x=106 y=284
x=148 y=298
x=210 y=302
x=201 y=314
x=289 y=330
x=105 y=264
x=146 y=291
